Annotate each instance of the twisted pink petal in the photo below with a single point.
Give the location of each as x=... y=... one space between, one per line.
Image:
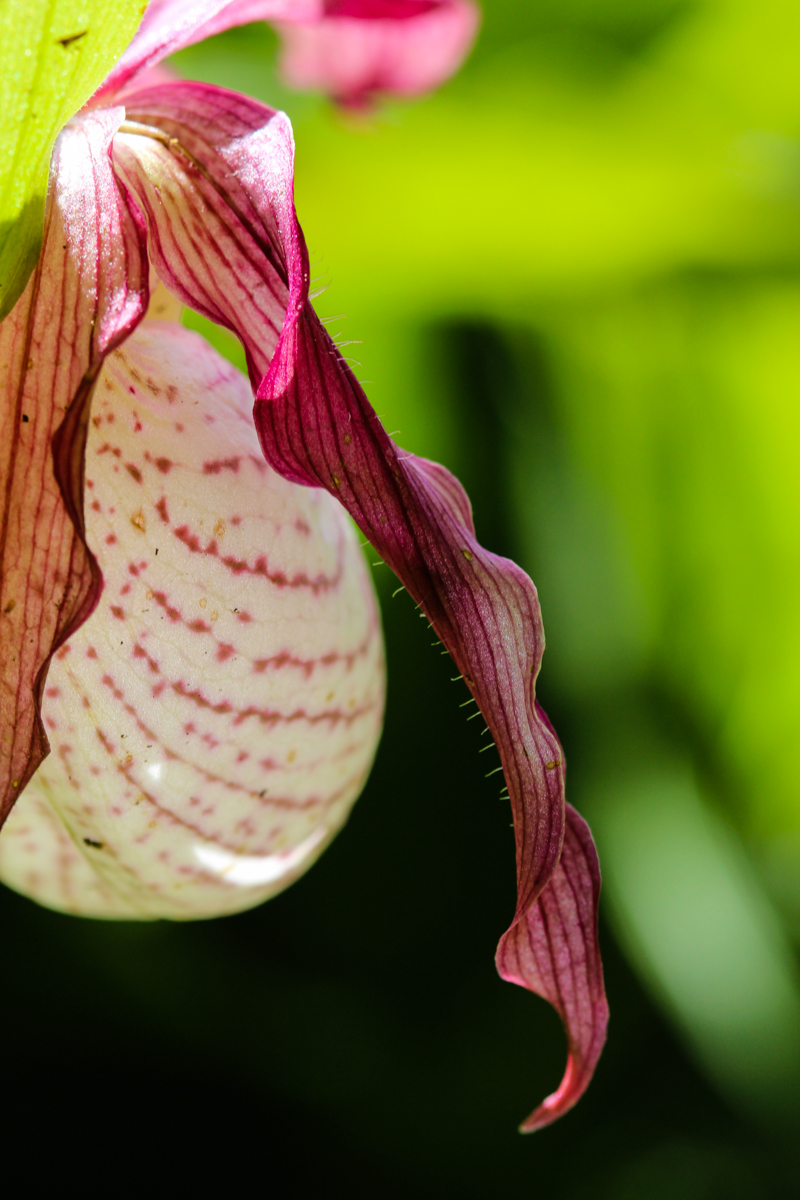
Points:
x=215 y=186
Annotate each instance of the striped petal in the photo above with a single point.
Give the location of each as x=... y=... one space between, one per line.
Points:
x=87 y=294
x=316 y=426
x=213 y=174
x=200 y=161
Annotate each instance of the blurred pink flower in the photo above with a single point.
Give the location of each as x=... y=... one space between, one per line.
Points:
x=399 y=51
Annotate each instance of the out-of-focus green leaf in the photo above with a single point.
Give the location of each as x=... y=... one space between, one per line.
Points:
x=680 y=405
x=697 y=923
x=53 y=55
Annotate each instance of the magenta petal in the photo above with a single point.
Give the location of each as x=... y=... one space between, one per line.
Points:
x=353 y=60
x=88 y=292
x=214 y=178
x=553 y=950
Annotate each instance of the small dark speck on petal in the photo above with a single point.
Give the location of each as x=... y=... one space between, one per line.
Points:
x=92 y=842
x=25 y=418
x=71 y=37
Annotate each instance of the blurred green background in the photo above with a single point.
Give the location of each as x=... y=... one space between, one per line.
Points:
x=573 y=276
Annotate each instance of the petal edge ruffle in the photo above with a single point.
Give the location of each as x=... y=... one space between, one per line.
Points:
x=553 y=951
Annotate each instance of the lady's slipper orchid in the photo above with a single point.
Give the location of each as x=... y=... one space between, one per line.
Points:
x=202 y=179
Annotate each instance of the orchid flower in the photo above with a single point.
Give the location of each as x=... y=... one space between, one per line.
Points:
x=185 y=607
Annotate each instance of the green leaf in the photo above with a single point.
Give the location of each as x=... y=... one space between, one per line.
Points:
x=53 y=56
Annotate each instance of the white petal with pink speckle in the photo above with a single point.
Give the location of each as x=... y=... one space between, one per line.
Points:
x=214 y=720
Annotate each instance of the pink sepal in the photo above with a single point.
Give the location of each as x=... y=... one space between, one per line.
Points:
x=88 y=293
